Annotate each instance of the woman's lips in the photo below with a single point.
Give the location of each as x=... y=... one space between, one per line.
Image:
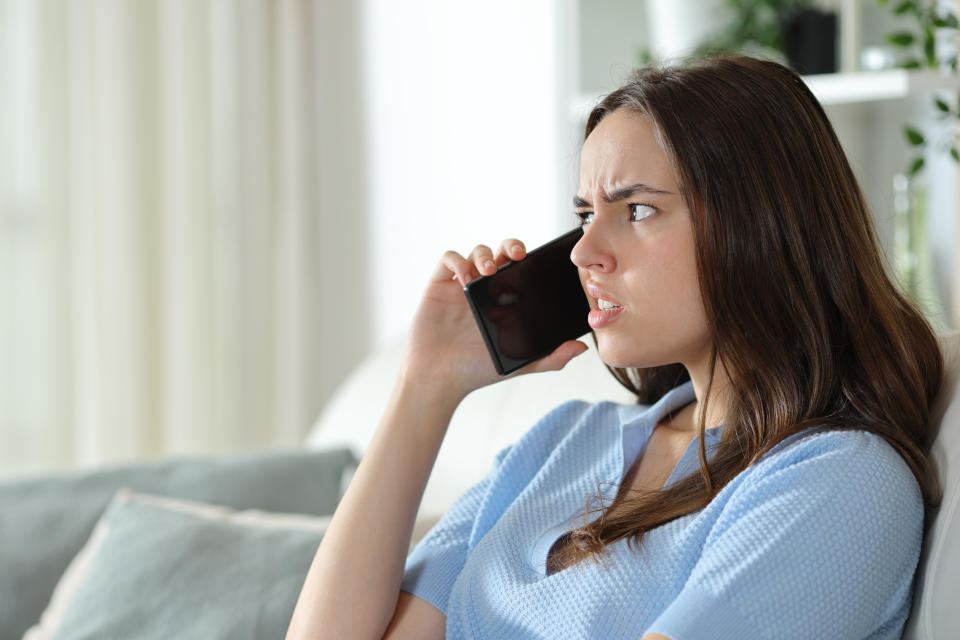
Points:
x=597 y=293
x=597 y=318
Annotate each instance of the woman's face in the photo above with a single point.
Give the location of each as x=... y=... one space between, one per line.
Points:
x=637 y=250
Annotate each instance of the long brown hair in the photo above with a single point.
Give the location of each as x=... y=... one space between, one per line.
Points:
x=807 y=325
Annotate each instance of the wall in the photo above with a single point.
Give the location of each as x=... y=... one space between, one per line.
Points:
x=462 y=110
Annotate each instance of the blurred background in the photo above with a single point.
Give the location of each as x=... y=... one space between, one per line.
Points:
x=211 y=211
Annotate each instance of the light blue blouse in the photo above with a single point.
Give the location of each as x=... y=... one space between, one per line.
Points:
x=819 y=538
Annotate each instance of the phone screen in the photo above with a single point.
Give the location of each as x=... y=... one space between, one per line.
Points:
x=530 y=307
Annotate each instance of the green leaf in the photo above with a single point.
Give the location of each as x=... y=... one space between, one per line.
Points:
x=946 y=21
x=915 y=167
x=955 y=154
x=943 y=106
x=901 y=38
x=904 y=7
x=911 y=63
x=929 y=49
x=914 y=137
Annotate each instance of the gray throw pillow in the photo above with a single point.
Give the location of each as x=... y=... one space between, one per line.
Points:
x=45 y=520
x=161 y=568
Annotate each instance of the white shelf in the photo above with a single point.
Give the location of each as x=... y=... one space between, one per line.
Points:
x=870 y=86
x=837 y=88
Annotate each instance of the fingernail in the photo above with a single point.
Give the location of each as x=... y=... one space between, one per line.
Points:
x=489 y=264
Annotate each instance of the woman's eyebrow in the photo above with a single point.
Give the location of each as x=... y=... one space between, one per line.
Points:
x=623 y=193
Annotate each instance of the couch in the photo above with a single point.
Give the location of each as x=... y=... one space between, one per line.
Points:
x=219 y=547
x=165 y=549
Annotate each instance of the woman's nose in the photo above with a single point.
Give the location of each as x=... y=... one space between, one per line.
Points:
x=593 y=251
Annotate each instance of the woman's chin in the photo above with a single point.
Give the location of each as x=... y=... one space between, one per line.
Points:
x=622 y=358
x=618 y=360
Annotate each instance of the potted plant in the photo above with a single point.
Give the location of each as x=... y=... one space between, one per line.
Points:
x=919 y=46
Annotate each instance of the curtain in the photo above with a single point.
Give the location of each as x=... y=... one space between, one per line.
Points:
x=163 y=263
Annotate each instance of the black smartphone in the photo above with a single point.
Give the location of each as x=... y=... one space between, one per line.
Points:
x=530 y=307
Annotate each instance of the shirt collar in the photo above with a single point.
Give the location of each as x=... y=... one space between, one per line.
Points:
x=635 y=429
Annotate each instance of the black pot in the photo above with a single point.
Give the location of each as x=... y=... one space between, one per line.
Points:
x=810 y=40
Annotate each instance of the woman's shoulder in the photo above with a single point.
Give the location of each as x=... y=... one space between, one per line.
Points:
x=847 y=459
x=829 y=440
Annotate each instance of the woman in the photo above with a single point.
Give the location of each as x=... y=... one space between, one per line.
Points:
x=771 y=483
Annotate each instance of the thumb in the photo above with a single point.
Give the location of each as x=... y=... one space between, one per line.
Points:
x=559 y=358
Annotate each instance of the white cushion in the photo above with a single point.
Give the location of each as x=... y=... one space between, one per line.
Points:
x=488 y=419
x=935 y=614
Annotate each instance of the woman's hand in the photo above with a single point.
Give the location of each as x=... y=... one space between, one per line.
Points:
x=445 y=346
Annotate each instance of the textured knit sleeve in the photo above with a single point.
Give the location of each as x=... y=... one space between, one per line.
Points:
x=436 y=561
x=821 y=543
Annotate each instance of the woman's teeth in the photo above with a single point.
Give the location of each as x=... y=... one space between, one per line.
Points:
x=606 y=313
x=605 y=305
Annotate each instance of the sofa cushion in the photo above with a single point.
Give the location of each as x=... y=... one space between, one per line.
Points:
x=935 y=615
x=488 y=420
x=156 y=567
x=45 y=520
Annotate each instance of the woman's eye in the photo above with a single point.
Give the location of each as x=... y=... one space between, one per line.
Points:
x=641 y=211
x=585 y=217
x=638 y=212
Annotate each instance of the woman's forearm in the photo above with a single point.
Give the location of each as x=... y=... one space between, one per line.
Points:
x=353 y=584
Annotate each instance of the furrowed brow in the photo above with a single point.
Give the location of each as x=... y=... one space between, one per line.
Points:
x=622 y=194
